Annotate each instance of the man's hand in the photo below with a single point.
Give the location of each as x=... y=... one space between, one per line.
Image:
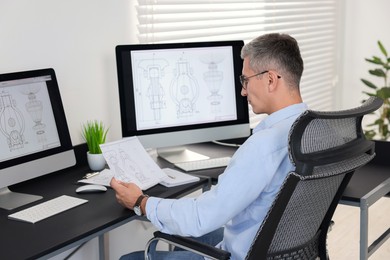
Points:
x=126 y=193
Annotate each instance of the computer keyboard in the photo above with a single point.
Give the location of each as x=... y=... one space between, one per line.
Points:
x=47 y=209
x=203 y=164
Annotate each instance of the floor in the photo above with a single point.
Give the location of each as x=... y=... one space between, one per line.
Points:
x=343 y=240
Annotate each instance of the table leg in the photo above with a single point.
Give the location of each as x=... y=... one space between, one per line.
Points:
x=101 y=247
x=365 y=202
x=363 y=230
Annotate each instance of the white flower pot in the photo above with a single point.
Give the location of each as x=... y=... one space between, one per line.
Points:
x=96 y=162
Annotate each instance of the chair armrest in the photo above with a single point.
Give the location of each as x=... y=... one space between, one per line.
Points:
x=192 y=245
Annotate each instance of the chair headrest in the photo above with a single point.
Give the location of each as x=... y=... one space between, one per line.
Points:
x=318 y=137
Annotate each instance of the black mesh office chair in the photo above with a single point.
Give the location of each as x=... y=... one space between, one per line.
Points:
x=326 y=148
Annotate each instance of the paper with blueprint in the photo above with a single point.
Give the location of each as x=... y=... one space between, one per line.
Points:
x=130 y=162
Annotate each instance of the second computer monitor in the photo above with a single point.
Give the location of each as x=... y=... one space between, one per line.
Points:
x=34 y=135
x=181 y=93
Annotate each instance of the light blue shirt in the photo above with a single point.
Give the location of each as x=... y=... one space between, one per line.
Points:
x=244 y=192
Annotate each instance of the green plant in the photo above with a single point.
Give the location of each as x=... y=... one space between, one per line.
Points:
x=380 y=127
x=94 y=133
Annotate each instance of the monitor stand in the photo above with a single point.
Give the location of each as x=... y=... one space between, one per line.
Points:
x=11 y=200
x=180 y=154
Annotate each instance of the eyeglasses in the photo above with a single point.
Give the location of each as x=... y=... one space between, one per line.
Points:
x=245 y=80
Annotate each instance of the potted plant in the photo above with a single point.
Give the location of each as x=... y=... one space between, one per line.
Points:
x=379 y=129
x=95 y=133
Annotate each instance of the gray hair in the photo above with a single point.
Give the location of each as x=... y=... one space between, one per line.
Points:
x=274 y=51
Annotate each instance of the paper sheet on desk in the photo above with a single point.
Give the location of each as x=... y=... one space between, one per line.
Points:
x=176 y=178
x=103 y=178
x=129 y=162
x=173 y=178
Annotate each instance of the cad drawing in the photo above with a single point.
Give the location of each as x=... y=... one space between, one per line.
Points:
x=213 y=78
x=153 y=70
x=132 y=167
x=184 y=89
x=35 y=108
x=12 y=123
x=126 y=169
x=111 y=157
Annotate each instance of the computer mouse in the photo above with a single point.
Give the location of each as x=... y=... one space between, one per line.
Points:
x=91 y=188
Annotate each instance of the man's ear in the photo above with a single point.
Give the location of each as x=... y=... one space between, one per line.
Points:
x=272 y=81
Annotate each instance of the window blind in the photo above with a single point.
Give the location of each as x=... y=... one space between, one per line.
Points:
x=312 y=23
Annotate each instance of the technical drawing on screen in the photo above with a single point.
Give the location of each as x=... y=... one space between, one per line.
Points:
x=173 y=94
x=26 y=119
x=34 y=136
x=176 y=75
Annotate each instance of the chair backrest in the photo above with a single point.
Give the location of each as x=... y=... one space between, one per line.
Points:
x=326 y=148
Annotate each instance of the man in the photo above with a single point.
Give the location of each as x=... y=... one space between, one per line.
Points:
x=270 y=79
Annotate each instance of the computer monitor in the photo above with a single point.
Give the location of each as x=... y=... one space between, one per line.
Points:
x=34 y=135
x=173 y=94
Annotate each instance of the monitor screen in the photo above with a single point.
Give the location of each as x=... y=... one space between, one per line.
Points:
x=173 y=94
x=34 y=136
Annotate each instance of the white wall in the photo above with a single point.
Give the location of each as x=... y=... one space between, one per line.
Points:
x=77 y=38
x=366 y=22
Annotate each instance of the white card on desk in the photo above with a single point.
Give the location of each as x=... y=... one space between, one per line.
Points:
x=103 y=178
x=176 y=178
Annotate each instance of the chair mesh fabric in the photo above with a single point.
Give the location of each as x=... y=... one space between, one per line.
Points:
x=342 y=166
x=296 y=235
x=310 y=201
x=322 y=134
x=325 y=147
x=307 y=252
x=307 y=207
x=306 y=210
